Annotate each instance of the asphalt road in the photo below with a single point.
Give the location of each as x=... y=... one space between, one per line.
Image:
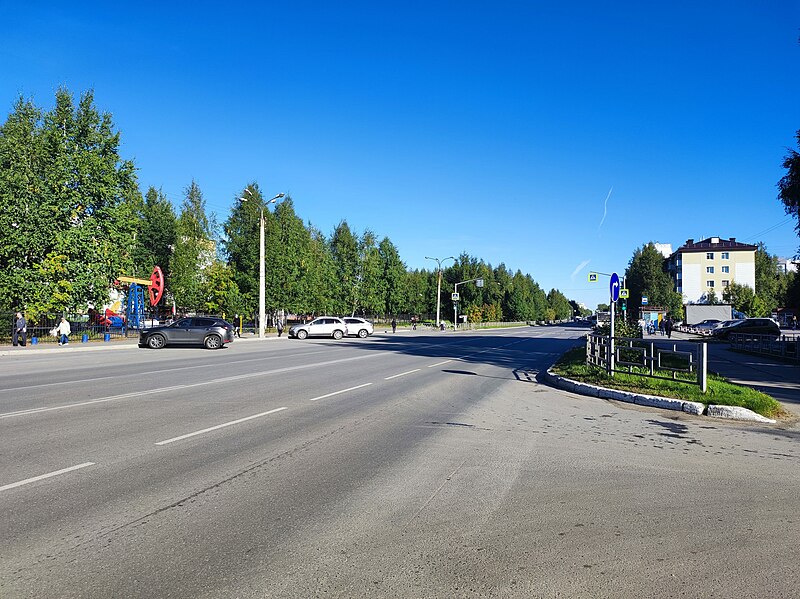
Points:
x=413 y=465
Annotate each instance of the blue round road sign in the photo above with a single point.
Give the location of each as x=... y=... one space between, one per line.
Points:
x=614 y=287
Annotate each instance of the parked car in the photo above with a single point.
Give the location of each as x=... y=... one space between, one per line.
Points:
x=324 y=326
x=358 y=326
x=207 y=331
x=705 y=327
x=751 y=326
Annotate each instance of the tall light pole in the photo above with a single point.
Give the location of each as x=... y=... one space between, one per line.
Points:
x=262 y=284
x=439 y=285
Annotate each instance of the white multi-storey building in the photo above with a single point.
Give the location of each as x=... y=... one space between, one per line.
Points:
x=712 y=264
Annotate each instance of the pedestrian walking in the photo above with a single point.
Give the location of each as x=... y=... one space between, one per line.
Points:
x=19 y=334
x=237 y=327
x=63 y=332
x=661 y=327
x=394 y=325
x=668 y=327
x=794 y=322
x=279 y=325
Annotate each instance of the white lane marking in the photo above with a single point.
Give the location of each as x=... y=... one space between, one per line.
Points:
x=189 y=386
x=151 y=372
x=219 y=426
x=342 y=391
x=394 y=376
x=44 y=476
x=440 y=363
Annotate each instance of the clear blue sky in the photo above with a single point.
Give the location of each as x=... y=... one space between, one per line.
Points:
x=494 y=128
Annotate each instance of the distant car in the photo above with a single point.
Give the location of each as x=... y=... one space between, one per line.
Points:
x=358 y=326
x=207 y=331
x=705 y=327
x=324 y=326
x=749 y=326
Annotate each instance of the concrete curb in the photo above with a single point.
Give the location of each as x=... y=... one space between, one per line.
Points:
x=653 y=401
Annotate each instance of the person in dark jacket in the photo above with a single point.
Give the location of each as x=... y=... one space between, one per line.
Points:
x=668 y=326
x=394 y=325
x=19 y=334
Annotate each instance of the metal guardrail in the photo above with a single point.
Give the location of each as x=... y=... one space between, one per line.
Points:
x=650 y=359
x=783 y=347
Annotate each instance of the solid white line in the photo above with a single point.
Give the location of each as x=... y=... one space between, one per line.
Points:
x=213 y=428
x=440 y=363
x=44 y=476
x=394 y=376
x=342 y=391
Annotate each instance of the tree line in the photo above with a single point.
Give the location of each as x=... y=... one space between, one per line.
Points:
x=73 y=219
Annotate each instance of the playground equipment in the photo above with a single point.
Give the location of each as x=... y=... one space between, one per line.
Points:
x=134 y=302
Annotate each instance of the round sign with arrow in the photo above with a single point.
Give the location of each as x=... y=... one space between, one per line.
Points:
x=614 y=287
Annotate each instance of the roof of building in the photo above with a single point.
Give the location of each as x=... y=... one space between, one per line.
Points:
x=714 y=243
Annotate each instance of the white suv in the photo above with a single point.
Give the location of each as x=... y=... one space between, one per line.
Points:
x=324 y=326
x=358 y=326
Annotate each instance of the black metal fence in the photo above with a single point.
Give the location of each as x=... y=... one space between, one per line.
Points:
x=783 y=347
x=42 y=328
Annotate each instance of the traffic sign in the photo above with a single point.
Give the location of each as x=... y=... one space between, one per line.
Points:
x=593 y=277
x=624 y=293
x=644 y=300
x=614 y=287
x=454 y=297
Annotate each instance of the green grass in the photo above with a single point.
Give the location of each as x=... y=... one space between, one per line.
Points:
x=572 y=365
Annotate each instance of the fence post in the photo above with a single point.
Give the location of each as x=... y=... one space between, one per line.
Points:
x=702 y=367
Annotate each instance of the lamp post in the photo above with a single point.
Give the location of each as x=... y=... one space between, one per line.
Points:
x=262 y=287
x=439 y=285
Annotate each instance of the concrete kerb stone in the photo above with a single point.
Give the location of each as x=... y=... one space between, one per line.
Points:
x=690 y=407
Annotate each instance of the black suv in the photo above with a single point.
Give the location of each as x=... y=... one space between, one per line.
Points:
x=208 y=331
x=748 y=326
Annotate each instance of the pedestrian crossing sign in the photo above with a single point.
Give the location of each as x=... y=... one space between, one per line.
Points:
x=593 y=277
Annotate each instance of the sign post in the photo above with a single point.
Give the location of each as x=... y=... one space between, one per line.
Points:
x=614 y=293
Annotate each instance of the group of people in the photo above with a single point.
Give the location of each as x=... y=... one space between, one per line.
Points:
x=19 y=332
x=662 y=327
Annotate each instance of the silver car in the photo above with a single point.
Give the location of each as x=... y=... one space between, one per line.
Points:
x=324 y=326
x=358 y=326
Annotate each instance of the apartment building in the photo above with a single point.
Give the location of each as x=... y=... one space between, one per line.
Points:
x=712 y=264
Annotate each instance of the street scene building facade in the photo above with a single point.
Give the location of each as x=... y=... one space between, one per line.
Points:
x=711 y=265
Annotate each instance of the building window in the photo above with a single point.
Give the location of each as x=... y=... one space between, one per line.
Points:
x=726 y=269
x=725 y=256
x=725 y=282
x=678 y=276
x=679 y=289
x=710 y=270
x=709 y=255
x=710 y=284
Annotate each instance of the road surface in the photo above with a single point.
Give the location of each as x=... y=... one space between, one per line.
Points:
x=415 y=465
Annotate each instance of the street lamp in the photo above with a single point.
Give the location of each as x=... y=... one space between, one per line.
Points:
x=262 y=286
x=439 y=286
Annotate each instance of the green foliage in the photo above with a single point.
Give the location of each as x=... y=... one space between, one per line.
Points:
x=559 y=304
x=194 y=251
x=156 y=236
x=645 y=276
x=789 y=185
x=66 y=198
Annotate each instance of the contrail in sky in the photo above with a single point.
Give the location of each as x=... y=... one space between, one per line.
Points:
x=605 y=209
x=579 y=268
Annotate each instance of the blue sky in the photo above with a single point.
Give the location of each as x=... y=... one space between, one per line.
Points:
x=496 y=129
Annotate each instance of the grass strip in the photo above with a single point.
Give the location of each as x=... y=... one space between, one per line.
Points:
x=572 y=365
